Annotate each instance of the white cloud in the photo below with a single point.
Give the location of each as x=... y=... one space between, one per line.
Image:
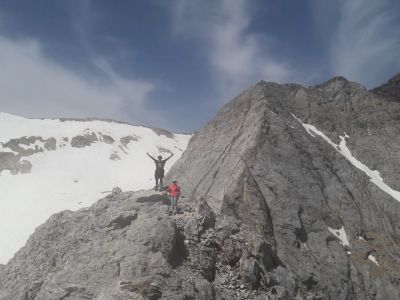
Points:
x=366 y=44
x=238 y=58
x=34 y=86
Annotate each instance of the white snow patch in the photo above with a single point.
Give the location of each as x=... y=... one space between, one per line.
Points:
x=72 y=178
x=361 y=238
x=373 y=259
x=342 y=148
x=341 y=235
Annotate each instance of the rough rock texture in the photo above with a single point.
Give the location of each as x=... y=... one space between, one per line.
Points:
x=9 y=161
x=126 y=246
x=12 y=162
x=270 y=211
x=107 y=139
x=26 y=146
x=127 y=139
x=389 y=90
x=160 y=131
x=21 y=147
x=81 y=141
x=117 y=248
x=256 y=163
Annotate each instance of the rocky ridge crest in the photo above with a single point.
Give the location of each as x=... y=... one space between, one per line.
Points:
x=282 y=201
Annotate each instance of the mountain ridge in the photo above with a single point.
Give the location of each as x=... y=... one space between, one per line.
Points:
x=285 y=198
x=90 y=119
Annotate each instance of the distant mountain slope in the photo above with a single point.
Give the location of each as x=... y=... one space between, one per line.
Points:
x=49 y=165
x=389 y=90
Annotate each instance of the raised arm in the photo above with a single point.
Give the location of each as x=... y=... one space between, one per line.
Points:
x=150 y=156
x=169 y=156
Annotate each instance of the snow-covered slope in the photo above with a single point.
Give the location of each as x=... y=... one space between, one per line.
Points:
x=51 y=165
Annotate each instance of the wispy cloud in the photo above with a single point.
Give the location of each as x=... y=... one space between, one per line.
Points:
x=365 y=47
x=237 y=56
x=32 y=85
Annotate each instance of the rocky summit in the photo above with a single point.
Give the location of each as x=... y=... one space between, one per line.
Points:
x=290 y=192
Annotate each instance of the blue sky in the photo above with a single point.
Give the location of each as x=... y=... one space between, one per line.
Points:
x=172 y=64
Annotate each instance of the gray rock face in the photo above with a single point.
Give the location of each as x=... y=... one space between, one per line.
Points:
x=117 y=249
x=27 y=146
x=127 y=139
x=9 y=161
x=256 y=163
x=107 y=139
x=81 y=141
x=164 y=132
x=17 y=145
x=389 y=90
x=271 y=211
x=21 y=147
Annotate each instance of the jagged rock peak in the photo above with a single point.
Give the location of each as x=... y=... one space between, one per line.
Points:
x=299 y=166
x=389 y=90
x=340 y=84
x=395 y=79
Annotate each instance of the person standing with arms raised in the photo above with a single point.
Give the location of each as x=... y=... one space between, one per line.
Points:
x=159 y=173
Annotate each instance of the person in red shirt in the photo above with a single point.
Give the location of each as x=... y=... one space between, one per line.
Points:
x=174 y=192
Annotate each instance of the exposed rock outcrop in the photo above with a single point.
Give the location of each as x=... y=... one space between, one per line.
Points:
x=390 y=90
x=258 y=162
x=81 y=141
x=126 y=246
x=282 y=201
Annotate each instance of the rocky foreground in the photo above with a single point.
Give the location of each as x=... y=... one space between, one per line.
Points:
x=131 y=246
x=291 y=192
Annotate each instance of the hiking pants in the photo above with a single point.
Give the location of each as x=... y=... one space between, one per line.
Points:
x=174 y=201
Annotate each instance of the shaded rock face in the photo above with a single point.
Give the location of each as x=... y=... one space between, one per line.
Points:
x=13 y=163
x=127 y=139
x=9 y=161
x=26 y=146
x=255 y=162
x=22 y=147
x=164 y=132
x=81 y=141
x=273 y=209
x=390 y=90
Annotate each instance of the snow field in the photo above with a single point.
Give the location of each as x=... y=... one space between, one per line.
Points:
x=72 y=178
